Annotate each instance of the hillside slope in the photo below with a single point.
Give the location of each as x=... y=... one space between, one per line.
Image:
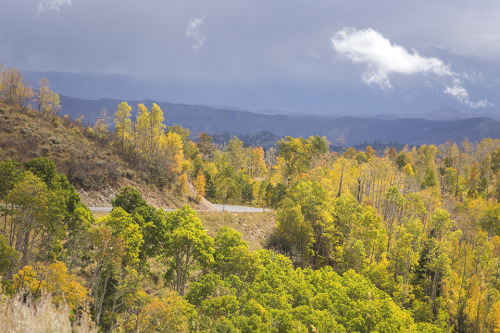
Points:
x=93 y=167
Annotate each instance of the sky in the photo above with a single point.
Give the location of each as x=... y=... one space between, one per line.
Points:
x=321 y=56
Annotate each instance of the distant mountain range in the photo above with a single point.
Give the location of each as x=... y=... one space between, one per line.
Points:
x=442 y=114
x=448 y=124
x=272 y=98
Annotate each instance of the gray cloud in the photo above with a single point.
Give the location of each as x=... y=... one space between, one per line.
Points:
x=246 y=44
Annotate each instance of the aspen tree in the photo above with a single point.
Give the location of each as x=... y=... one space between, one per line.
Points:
x=141 y=130
x=13 y=91
x=156 y=128
x=122 y=122
x=48 y=101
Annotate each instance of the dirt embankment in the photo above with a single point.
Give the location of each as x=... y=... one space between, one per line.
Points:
x=159 y=199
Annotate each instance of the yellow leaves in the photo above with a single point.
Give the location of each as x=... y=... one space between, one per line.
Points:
x=48 y=101
x=408 y=170
x=122 y=122
x=13 y=91
x=53 y=279
x=171 y=149
x=496 y=317
x=185 y=166
x=257 y=164
x=199 y=183
x=183 y=184
x=170 y=313
x=149 y=129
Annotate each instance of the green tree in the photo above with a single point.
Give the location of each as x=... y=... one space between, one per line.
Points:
x=295 y=155
x=294 y=235
x=206 y=146
x=42 y=167
x=236 y=154
x=34 y=219
x=124 y=227
x=8 y=257
x=129 y=200
x=186 y=247
x=231 y=255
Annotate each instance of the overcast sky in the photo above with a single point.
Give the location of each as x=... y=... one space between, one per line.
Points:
x=308 y=53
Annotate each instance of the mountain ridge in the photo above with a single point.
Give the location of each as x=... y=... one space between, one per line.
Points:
x=354 y=130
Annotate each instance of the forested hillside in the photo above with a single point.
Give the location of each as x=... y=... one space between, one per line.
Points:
x=365 y=241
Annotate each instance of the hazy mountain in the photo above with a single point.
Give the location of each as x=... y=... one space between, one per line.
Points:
x=266 y=97
x=199 y=118
x=442 y=114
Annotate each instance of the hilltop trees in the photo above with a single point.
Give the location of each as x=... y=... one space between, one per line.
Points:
x=148 y=147
x=48 y=101
x=13 y=90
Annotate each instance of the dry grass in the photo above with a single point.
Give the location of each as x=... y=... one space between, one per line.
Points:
x=39 y=315
x=254 y=227
x=96 y=170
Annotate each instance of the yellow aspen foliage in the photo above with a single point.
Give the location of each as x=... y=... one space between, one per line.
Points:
x=13 y=91
x=408 y=170
x=53 y=279
x=122 y=122
x=211 y=169
x=370 y=152
x=48 y=101
x=171 y=150
x=199 y=184
x=496 y=317
x=279 y=173
x=141 y=130
x=186 y=166
x=183 y=184
x=257 y=164
x=476 y=301
x=156 y=128
x=170 y=313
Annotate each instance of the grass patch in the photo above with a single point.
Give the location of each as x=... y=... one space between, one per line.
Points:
x=254 y=227
x=99 y=213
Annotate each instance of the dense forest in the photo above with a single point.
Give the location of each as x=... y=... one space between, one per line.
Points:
x=393 y=240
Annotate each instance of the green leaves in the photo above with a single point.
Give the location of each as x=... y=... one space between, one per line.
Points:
x=186 y=246
x=129 y=199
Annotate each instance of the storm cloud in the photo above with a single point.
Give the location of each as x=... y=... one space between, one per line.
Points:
x=267 y=54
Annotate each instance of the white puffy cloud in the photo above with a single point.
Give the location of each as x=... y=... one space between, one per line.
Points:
x=382 y=59
x=460 y=93
x=51 y=5
x=193 y=32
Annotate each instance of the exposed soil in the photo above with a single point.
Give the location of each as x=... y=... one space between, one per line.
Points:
x=163 y=199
